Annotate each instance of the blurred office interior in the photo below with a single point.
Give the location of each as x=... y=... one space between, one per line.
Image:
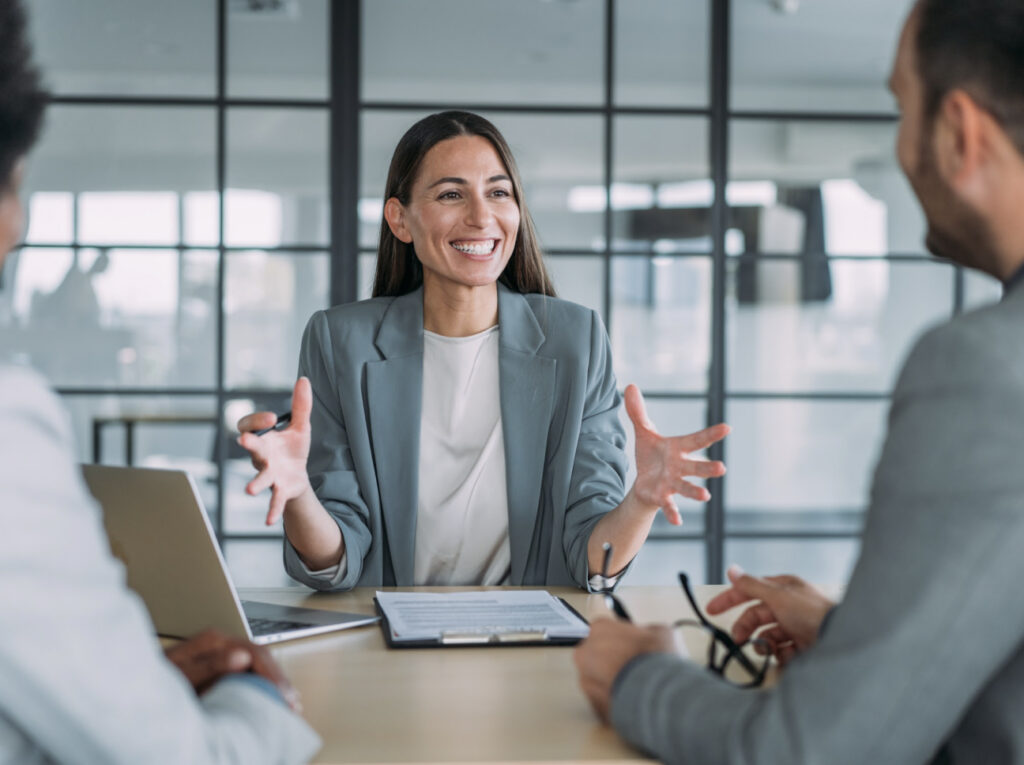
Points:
x=716 y=177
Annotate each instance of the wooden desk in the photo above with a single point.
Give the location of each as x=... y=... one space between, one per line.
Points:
x=495 y=705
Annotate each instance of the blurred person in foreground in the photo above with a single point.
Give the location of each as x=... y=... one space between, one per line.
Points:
x=923 y=661
x=82 y=677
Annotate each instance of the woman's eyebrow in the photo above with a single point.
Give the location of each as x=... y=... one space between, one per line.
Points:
x=463 y=182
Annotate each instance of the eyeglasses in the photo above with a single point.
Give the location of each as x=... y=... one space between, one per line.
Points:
x=734 y=652
x=754 y=670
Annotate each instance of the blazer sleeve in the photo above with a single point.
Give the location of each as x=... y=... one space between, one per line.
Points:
x=84 y=680
x=597 y=485
x=932 y=612
x=330 y=465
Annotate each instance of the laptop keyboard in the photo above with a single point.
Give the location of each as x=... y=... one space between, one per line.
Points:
x=273 y=626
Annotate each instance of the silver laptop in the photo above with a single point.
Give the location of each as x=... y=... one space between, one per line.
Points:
x=158 y=528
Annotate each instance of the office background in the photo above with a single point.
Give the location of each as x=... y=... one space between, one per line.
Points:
x=716 y=178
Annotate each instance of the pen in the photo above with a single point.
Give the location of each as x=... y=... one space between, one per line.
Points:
x=282 y=420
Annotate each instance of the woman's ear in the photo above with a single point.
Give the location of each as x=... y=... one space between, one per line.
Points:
x=394 y=214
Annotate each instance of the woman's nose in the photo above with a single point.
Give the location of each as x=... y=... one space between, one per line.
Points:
x=478 y=212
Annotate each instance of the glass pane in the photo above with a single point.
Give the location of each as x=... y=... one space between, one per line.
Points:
x=113 y=317
x=834 y=187
x=256 y=563
x=268 y=298
x=980 y=289
x=127 y=47
x=246 y=514
x=661 y=53
x=661 y=191
x=119 y=175
x=676 y=418
x=804 y=465
x=579 y=279
x=811 y=324
x=483 y=51
x=559 y=158
x=659 y=562
x=367 y=271
x=278 y=50
x=175 y=432
x=661 y=322
x=826 y=563
x=826 y=55
x=277 y=177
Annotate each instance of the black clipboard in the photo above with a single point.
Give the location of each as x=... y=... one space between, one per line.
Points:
x=480 y=640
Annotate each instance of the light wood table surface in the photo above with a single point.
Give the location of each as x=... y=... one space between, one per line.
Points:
x=371 y=704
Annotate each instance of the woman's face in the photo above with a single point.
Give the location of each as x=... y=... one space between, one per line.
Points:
x=462 y=217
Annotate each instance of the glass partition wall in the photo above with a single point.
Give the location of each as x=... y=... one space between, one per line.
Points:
x=716 y=178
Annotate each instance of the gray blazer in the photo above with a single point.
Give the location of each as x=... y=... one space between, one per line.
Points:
x=924 y=659
x=82 y=677
x=564 y=444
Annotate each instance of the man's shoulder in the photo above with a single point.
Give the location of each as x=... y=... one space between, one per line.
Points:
x=24 y=391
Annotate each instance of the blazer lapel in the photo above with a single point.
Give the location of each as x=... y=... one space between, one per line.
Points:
x=527 y=399
x=394 y=393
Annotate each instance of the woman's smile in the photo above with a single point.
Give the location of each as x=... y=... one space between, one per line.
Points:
x=476 y=249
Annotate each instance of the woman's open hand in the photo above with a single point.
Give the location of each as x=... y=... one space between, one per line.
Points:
x=280 y=455
x=663 y=462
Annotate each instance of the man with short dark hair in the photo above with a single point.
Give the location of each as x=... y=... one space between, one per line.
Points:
x=82 y=678
x=923 y=661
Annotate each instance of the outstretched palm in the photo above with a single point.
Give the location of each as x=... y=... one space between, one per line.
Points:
x=663 y=462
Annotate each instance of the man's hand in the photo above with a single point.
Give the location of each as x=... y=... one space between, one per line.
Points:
x=209 y=656
x=610 y=646
x=789 y=614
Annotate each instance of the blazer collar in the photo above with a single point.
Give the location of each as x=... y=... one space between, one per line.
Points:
x=401 y=329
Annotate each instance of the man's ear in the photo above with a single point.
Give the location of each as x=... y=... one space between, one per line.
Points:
x=960 y=138
x=394 y=214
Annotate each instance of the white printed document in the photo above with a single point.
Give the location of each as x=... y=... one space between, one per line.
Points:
x=495 y=616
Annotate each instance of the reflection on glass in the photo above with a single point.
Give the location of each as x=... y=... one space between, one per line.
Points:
x=660 y=560
x=277 y=169
x=51 y=218
x=661 y=53
x=826 y=55
x=579 y=279
x=801 y=463
x=826 y=563
x=112 y=317
x=661 y=193
x=559 y=159
x=810 y=324
x=127 y=47
x=526 y=52
x=661 y=322
x=128 y=217
x=268 y=298
x=278 y=50
x=675 y=418
x=820 y=187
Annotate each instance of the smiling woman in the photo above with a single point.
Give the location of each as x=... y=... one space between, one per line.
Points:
x=461 y=427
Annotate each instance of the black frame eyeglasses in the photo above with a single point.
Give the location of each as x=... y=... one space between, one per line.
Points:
x=734 y=652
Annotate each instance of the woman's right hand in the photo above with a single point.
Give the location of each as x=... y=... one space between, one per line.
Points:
x=280 y=455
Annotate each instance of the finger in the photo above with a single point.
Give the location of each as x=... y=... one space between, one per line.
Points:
x=277 y=503
x=775 y=637
x=726 y=600
x=786 y=654
x=761 y=589
x=636 y=410
x=255 y=445
x=302 y=404
x=264 y=480
x=689 y=490
x=702 y=439
x=751 y=621
x=256 y=421
x=672 y=512
x=702 y=468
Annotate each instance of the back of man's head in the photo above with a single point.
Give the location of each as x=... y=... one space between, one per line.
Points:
x=978 y=46
x=22 y=98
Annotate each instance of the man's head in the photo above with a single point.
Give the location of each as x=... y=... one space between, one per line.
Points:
x=959 y=79
x=22 y=101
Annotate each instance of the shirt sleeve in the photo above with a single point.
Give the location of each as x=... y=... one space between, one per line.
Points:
x=331 y=469
x=930 y=618
x=84 y=679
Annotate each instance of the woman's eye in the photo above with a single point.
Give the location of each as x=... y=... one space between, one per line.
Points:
x=501 y=193
x=449 y=195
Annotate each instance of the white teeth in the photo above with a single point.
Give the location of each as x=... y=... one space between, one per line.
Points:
x=477 y=248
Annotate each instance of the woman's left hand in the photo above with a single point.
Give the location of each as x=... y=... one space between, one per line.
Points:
x=664 y=462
